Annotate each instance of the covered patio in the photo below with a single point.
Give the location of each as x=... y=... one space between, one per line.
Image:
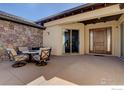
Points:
x=89 y=29
x=66 y=70
x=86 y=47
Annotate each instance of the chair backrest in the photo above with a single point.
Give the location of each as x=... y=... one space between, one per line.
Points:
x=11 y=52
x=23 y=49
x=43 y=49
x=44 y=53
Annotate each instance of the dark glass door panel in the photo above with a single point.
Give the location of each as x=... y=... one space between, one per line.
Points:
x=75 y=41
x=122 y=39
x=71 y=42
x=67 y=41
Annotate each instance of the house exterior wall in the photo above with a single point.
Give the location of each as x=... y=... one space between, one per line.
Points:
x=55 y=37
x=121 y=20
x=58 y=26
x=14 y=35
x=52 y=37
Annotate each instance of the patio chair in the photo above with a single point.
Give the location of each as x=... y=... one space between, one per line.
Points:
x=49 y=54
x=43 y=57
x=20 y=60
x=9 y=54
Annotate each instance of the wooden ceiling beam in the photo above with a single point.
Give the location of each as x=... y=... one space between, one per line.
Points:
x=103 y=19
x=121 y=6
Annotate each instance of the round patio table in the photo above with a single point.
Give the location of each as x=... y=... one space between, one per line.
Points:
x=31 y=59
x=31 y=53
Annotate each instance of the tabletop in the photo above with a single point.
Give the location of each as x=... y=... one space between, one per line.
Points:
x=31 y=52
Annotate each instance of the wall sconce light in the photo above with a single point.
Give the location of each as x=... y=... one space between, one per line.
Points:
x=99 y=18
x=48 y=33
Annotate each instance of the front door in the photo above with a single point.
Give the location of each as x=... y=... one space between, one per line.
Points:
x=71 y=41
x=100 y=40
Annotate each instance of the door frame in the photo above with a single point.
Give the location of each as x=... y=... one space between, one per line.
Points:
x=108 y=53
x=71 y=53
x=121 y=39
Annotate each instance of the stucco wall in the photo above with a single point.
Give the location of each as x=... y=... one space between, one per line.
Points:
x=14 y=35
x=59 y=25
x=52 y=37
x=119 y=31
x=115 y=36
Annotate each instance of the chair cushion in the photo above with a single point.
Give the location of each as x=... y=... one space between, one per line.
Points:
x=20 y=57
x=13 y=51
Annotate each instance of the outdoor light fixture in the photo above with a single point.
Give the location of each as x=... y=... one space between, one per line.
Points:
x=99 y=17
x=48 y=33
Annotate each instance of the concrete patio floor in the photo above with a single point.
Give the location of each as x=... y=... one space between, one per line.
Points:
x=66 y=70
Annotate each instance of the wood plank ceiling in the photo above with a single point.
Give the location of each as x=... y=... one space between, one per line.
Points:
x=102 y=19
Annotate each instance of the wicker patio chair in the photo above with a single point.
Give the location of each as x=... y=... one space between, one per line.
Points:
x=43 y=57
x=20 y=60
x=9 y=54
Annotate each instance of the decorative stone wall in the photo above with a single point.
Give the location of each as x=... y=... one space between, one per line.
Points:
x=15 y=35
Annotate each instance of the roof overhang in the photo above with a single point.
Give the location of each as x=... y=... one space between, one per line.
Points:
x=74 y=11
x=16 y=19
x=95 y=14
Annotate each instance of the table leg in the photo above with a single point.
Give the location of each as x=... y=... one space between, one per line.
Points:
x=30 y=58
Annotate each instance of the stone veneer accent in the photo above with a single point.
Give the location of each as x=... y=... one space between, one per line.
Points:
x=15 y=35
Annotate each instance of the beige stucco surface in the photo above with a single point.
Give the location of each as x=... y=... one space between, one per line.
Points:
x=52 y=37
x=57 y=28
